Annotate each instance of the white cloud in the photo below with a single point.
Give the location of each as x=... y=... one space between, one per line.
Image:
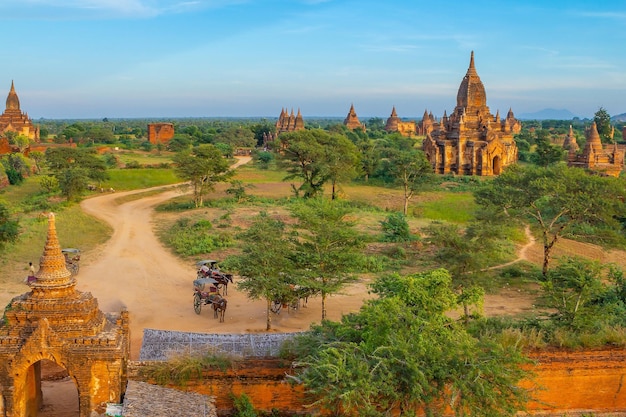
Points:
x=118 y=8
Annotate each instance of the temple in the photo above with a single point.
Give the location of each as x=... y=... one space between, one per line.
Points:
x=289 y=122
x=471 y=141
x=594 y=156
x=395 y=124
x=352 y=120
x=56 y=323
x=13 y=120
x=160 y=132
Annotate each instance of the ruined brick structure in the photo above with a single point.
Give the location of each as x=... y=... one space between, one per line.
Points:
x=352 y=120
x=605 y=160
x=395 y=124
x=14 y=120
x=56 y=322
x=160 y=132
x=471 y=141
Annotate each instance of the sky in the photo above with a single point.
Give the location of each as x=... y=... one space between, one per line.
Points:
x=251 y=58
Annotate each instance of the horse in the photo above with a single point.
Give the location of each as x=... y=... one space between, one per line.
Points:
x=219 y=308
x=222 y=280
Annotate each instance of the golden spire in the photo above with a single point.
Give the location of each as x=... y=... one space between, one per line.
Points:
x=52 y=270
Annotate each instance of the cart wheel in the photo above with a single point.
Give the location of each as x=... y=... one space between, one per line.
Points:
x=197 y=303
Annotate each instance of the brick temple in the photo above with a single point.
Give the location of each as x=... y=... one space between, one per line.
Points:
x=13 y=119
x=605 y=160
x=472 y=141
x=57 y=323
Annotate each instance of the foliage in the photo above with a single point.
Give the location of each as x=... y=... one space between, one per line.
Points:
x=412 y=171
x=190 y=238
x=9 y=228
x=49 y=184
x=263 y=158
x=555 y=198
x=243 y=406
x=181 y=369
x=545 y=153
x=74 y=168
x=402 y=353
x=265 y=268
x=603 y=124
x=203 y=167
x=396 y=228
x=238 y=190
x=326 y=250
x=316 y=157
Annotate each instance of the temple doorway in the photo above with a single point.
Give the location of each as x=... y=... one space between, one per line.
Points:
x=497 y=165
x=59 y=392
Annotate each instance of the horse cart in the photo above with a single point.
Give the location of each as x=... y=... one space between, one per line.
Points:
x=208 y=268
x=210 y=297
x=72 y=259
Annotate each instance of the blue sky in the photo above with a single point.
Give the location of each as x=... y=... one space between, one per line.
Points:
x=214 y=58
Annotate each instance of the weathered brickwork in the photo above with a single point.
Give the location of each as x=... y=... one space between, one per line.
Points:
x=606 y=160
x=352 y=120
x=56 y=322
x=160 y=132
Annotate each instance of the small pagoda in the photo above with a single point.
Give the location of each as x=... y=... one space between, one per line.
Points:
x=56 y=322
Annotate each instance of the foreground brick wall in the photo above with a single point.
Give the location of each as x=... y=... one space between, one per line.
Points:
x=571 y=383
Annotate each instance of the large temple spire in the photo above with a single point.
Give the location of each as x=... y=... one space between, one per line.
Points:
x=13 y=102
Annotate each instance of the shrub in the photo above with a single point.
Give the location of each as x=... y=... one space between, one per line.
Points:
x=192 y=238
x=396 y=228
x=243 y=406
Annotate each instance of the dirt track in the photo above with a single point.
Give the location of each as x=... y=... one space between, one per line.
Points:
x=135 y=271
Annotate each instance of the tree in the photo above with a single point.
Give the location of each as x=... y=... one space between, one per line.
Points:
x=203 y=167
x=571 y=287
x=74 y=168
x=401 y=354
x=556 y=198
x=22 y=142
x=38 y=157
x=264 y=268
x=546 y=153
x=412 y=171
x=326 y=251
x=9 y=229
x=342 y=159
x=370 y=157
x=603 y=124
x=236 y=137
x=303 y=154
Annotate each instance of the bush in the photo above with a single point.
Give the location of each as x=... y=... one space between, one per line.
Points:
x=243 y=406
x=192 y=238
x=396 y=228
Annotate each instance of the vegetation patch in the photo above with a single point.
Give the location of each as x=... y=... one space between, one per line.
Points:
x=189 y=237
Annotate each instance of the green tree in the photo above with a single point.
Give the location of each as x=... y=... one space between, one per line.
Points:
x=603 y=124
x=9 y=229
x=402 y=353
x=38 y=157
x=370 y=157
x=570 y=289
x=327 y=248
x=545 y=153
x=73 y=182
x=74 y=168
x=556 y=198
x=412 y=171
x=302 y=154
x=203 y=167
x=264 y=268
x=236 y=137
x=22 y=142
x=342 y=159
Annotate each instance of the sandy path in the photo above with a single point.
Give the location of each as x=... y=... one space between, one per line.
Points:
x=135 y=271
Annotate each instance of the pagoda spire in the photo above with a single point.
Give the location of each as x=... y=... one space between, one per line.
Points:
x=52 y=270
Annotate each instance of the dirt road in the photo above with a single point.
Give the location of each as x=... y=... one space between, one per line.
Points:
x=135 y=271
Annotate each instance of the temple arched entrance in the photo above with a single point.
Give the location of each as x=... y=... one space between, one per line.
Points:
x=497 y=165
x=59 y=392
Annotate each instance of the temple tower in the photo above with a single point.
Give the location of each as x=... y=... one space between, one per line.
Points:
x=14 y=120
x=352 y=120
x=56 y=322
x=471 y=141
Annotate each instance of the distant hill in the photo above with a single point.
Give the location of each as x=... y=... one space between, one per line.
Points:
x=619 y=118
x=548 y=114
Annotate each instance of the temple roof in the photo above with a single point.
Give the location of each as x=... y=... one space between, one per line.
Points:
x=471 y=91
x=13 y=102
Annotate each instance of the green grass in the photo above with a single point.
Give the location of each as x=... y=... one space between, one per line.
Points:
x=451 y=207
x=16 y=194
x=74 y=229
x=250 y=173
x=142 y=157
x=133 y=179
